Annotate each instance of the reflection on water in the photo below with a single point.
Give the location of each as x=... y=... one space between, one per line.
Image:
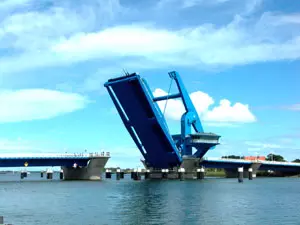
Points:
x=212 y=201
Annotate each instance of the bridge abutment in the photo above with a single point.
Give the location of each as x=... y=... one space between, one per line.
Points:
x=90 y=172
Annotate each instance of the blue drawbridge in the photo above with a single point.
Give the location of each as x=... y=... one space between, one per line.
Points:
x=147 y=126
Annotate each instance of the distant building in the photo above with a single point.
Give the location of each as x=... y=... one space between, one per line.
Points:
x=261 y=158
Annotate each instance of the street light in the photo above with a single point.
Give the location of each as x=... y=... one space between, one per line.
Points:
x=272 y=156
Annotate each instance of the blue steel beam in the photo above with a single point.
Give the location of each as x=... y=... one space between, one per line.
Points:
x=187 y=102
x=167 y=97
x=188 y=120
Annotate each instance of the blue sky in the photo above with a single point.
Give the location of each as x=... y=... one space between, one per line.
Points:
x=239 y=61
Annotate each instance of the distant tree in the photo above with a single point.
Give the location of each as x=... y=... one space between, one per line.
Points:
x=273 y=157
x=297 y=161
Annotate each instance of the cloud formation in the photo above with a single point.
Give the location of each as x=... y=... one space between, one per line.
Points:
x=295 y=107
x=84 y=34
x=223 y=114
x=37 y=104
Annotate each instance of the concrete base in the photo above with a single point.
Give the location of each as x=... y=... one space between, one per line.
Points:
x=189 y=164
x=233 y=172
x=172 y=175
x=91 y=172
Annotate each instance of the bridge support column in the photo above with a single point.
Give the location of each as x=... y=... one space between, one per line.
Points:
x=233 y=173
x=147 y=174
x=250 y=171
x=200 y=173
x=118 y=174
x=190 y=164
x=255 y=166
x=240 y=174
x=91 y=172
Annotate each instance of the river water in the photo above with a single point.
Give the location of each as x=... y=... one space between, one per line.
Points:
x=36 y=200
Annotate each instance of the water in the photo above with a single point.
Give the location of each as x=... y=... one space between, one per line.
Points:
x=213 y=201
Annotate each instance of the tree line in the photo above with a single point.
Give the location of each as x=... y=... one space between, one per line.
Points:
x=270 y=157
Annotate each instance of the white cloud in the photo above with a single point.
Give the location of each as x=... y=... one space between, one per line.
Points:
x=239 y=42
x=226 y=112
x=96 y=81
x=251 y=6
x=65 y=35
x=120 y=41
x=12 y=4
x=260 y=145
x=14 y=145
x=188 y=3
x=36 y=104
x=17 y=145
x=206 y=44
x=220 y=124
x=222 y=115
x=295 y=107
x=286 y=19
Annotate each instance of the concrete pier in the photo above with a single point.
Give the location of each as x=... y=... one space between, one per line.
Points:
x=240 y=174
x=61 y=174
x=181 y=173
x=200 y=173
x=165 y=173
x=233 y=173
x=91 y=172
x=108 y=174
x=122 y=174
x=147 y=174
x=118 y=174
x=137 y=174
x=250 y=171
x=190 y=165
x=49 y=174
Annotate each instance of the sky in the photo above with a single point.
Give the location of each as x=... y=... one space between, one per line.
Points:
x=239 y=60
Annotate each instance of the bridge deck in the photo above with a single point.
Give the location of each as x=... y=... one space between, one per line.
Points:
x=50 y=159
x=235 y=163
x=143 y=120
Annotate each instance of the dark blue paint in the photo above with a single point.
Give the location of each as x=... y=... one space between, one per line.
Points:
x=19 y=162
x=147 y=126
x=264 y=166
x=143 y=120
x=226 y=165
x=280 y=167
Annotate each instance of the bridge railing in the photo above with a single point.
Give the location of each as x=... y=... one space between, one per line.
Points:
x=54 y=155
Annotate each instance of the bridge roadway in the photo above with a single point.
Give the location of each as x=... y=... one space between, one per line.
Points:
x=49 y=159
x=210 y=162
x=79 y=166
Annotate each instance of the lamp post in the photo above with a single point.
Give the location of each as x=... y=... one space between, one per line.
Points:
x=272 y=156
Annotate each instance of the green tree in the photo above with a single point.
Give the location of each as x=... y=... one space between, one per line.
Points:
x=297 y=161
x=274 y=157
